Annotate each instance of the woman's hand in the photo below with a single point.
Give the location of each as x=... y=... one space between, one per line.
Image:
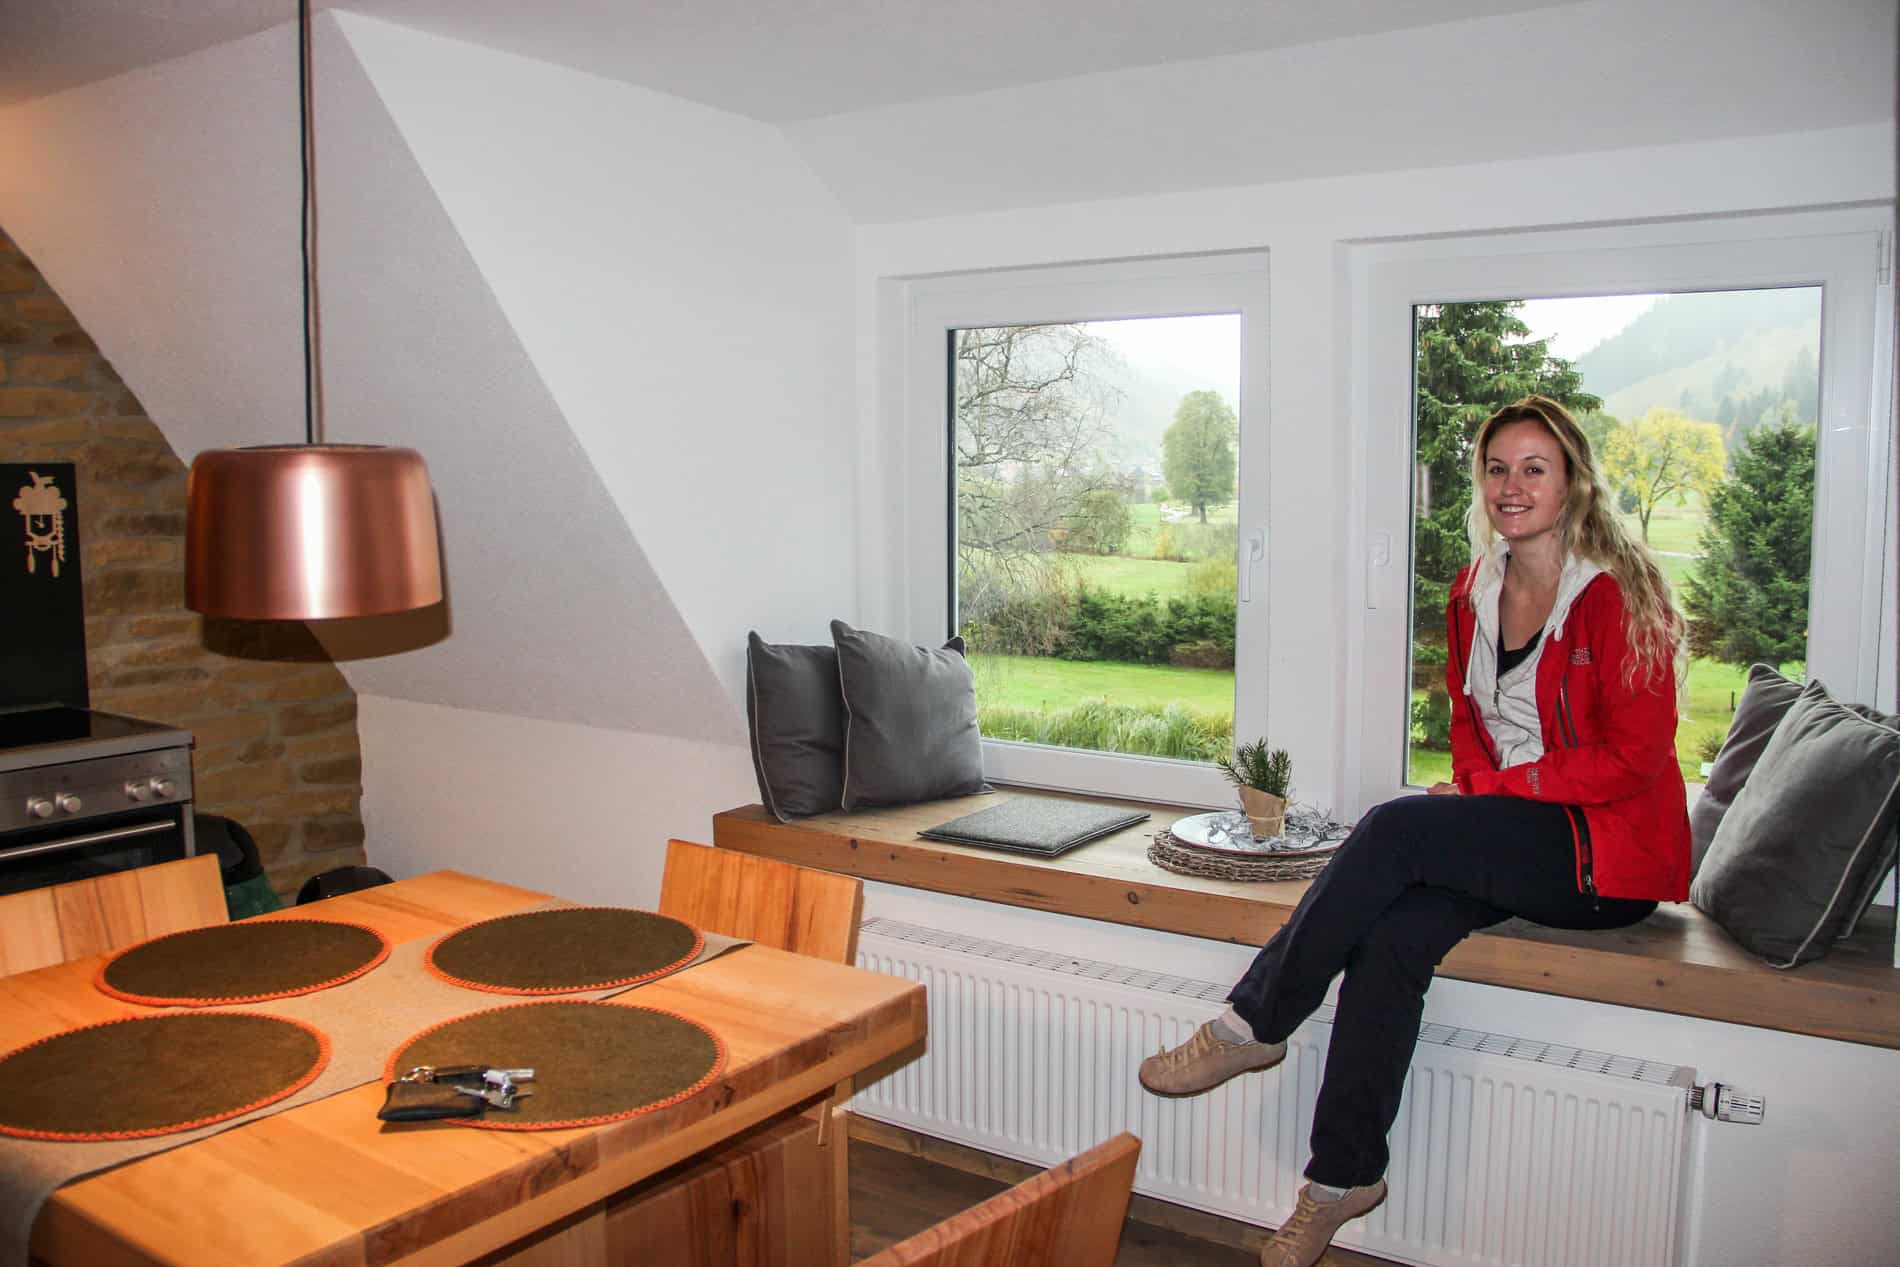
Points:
x=1443 y=789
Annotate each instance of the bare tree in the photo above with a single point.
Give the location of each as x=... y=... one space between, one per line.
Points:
x=1031 y=428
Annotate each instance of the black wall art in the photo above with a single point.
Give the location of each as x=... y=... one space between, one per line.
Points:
x=42 y=607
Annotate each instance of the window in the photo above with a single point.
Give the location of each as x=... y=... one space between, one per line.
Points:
x=1730 y=392
x=1100 y=545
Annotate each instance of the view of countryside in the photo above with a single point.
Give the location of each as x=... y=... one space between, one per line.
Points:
x=1096 y=470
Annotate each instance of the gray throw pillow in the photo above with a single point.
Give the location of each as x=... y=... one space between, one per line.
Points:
x=1766 y=698
x=1764 y=702
x=796 y=721
x=1792 y=855
x=910 y=720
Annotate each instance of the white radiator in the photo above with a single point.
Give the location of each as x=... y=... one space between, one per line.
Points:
x=1506 y=1151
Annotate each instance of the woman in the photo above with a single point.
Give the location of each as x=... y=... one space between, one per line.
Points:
x=1566 y=808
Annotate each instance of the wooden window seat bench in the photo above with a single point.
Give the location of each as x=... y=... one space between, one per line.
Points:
x=1676 y=961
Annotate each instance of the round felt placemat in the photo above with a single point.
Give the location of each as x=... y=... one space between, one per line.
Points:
x=593 y=1061
x=1168 y=854
x=561 y=951
x=152 y=1075
x=245 y=962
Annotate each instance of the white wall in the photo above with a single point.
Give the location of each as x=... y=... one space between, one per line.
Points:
x=571 y=810
x=681 y=283
x=162 y=205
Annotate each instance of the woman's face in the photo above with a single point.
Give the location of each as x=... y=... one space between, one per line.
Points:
x=1524 y=481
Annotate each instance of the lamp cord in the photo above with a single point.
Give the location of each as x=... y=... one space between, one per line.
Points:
x=303 y=234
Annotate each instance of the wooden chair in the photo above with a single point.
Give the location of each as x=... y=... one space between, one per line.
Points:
x=773 y=903
x=751 y=1203
x=1068 y=1216
x=46 y=926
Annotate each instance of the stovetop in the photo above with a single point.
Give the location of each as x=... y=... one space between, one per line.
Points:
x=35 y=737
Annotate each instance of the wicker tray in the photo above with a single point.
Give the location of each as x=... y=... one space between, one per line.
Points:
x=1170 y=855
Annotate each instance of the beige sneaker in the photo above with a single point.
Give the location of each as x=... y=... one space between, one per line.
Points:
x=1310 y=1228
x=1205 y=1061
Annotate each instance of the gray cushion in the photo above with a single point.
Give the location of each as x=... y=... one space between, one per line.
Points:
x=797 y=723
x=1792 y=856
x=1767 y=697
x=910 y=720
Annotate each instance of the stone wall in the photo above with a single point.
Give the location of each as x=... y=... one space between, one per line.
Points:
x=274 y=720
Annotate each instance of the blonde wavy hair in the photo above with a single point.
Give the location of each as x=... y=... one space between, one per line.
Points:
x=1590 y=530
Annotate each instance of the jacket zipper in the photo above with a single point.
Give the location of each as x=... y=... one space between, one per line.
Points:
x=1586 y=856
x=1563 y=709
x=1586 y=860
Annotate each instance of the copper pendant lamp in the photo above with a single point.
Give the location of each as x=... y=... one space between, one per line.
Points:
x=309 y=531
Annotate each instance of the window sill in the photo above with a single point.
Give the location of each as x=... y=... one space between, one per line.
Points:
x=1677 y=961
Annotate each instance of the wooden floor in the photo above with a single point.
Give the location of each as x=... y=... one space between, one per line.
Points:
x=902 y=1183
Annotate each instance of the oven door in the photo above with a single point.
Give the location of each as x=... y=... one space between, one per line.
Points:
x=37 y=856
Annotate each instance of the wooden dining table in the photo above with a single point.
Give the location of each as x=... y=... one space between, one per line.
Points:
x=327 y=1183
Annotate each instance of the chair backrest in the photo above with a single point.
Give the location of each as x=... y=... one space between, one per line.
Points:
x=773 y=903
x=102 y=913
x=1068 y=1216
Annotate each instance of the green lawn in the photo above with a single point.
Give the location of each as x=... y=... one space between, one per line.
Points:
x=1677 y=529
x=1033 y=682
x=1145 y=521
x=1133 y=577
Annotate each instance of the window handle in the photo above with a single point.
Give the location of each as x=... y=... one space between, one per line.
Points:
x=1255 y=552
x=1378 y=558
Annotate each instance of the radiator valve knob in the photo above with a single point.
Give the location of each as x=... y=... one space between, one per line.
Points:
x=1720 y=1102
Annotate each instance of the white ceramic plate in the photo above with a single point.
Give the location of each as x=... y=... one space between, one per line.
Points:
x=1227 y=831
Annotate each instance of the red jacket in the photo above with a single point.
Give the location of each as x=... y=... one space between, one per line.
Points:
x=1609 y=748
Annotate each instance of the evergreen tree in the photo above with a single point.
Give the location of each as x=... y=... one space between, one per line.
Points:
x=1472 y=359
x=1748 y=598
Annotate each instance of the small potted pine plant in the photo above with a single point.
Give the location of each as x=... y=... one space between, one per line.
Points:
x=1263 y=776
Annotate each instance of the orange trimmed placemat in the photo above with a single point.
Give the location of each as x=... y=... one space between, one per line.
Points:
x=153 y=1075
x=564 y=950
x=246 y=962
x=593 y=1061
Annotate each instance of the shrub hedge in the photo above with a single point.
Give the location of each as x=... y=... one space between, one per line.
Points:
x=1091 y=624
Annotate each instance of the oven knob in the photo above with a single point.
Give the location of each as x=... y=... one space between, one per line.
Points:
x=135 y=790
x=39 y=807
x=161 y=787
x=68 y=803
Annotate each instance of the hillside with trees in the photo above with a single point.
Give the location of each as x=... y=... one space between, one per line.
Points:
x=1728 y=358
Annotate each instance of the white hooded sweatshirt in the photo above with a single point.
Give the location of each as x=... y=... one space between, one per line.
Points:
x=1507 y=708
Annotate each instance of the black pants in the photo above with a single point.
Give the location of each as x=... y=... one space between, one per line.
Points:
x=1416 y=875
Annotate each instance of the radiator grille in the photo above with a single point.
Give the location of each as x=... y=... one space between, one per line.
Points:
x=1507 y=1150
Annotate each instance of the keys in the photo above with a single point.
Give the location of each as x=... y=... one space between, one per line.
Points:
x=485 y=1082
x=499 y=1097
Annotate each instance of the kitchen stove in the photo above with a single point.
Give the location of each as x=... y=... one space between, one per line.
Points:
x=84 y=792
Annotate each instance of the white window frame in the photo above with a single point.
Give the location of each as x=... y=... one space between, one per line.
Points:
x=1844 y=251
x=919 y=314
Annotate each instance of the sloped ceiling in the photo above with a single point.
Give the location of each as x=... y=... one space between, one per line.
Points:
x=557 y=611
x=772 y=60
x=1570 y=80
